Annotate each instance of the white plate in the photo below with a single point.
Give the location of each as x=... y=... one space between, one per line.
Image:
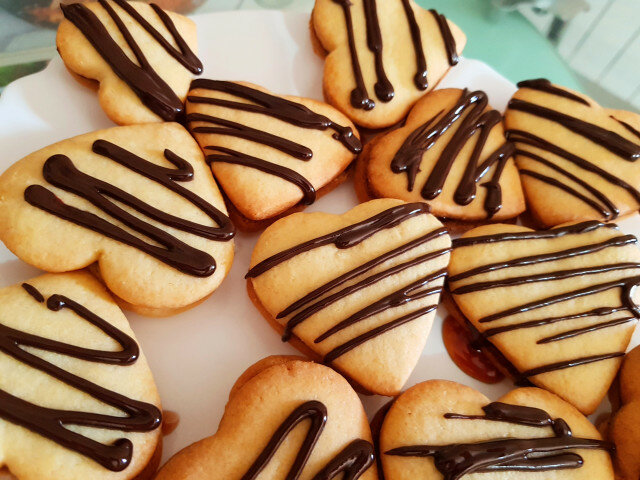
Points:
x=197 y=356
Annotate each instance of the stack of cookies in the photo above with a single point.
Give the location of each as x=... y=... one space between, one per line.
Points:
x=503 y=219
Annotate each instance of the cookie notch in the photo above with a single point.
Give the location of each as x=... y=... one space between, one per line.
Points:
x=604 y=306
x=240 y=124
x=358 y=60
x=153 y=98
x=573 y=153
x=454 y=155
x=421 y=262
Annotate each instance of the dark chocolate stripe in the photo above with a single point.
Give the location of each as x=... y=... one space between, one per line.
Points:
x=60 y=172
x=34 y=292
x=143 y=80
x=227 y=155
x=627 y=126
x=574 y=362
x=620 y=241
x=600 y=311
x=277 y=107
x=574 y=229
x=383 y=88
x=52 y=423
x=353 y=460
x=543 y=277
x=544 y=85
x=612 y=141
x=507 y=454
x=447 y=37
x=420 y=78
x=233 y=129
x=346 y=237
x=365 y=267
x=470 y=115
x=359 y=96
x=359 y=340
x=581 y=331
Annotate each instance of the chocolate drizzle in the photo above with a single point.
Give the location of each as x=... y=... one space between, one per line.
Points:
x=145 y=82
x=615 y=143
x=328 y=294
x=544 y=85
x=626 y=285
x=383 y=88
x=408 y=158
x=507 y=454
x=265 y=104
x=353 y=460
x=60 y=172
x=52 y=423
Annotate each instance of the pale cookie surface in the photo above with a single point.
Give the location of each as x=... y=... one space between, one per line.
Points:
x=142 y=57
x=559 y=305
x=444 y=430
x=382 y=56
x=268 y=152
x=285 y=419
x=138 y=200
x=623 y=428
x=577 y=160
x=78 y=400
x=452 y=154
x=359 y=289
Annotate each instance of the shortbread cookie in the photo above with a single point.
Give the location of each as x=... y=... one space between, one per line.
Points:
x=444 y=430
x=382 y=56
x=358 y=290
x=556 y=307
x=142 y=57
x=269 y=153
x=286 y=418
x=623 y=427
x=77 y=398
x=578 y=161
x=140 y=201
x=451 y=153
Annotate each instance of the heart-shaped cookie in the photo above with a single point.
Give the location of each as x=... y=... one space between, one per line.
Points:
x=451 y=153
x=358 y=291
x=623 y=427
x=77 y=398
x=578 y=161
x=142 y=57
x=556 y=307
x=269 y=153
x=285 y=418
x=138 y=201
x=444 y=430
x=382 y=56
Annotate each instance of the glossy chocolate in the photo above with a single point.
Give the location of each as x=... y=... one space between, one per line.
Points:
x=60 y=172
x=353 y=460
x=544 y=85
x=472 y=119
x=447 y=37
x=52 y=423
x=507 y=454
x=141 y=77
x=626 y=285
